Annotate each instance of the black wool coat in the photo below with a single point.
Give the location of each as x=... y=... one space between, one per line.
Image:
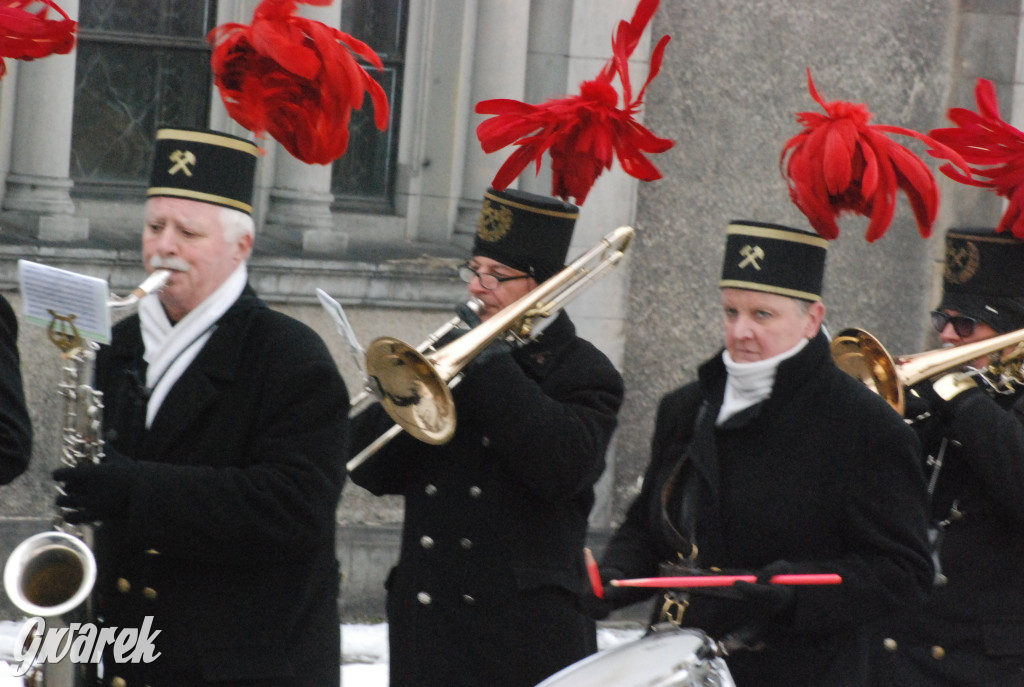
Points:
x=15 y=426
x=970 y=633
x=486 y=589
x=229 y=541
x=822 y=477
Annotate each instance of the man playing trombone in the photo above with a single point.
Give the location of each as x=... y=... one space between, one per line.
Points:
x=491 y=567
x=970 y=633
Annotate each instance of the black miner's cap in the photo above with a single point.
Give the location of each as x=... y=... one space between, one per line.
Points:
x=525 y=231
x=208 y=166
x=774 y=259
x=983 y=277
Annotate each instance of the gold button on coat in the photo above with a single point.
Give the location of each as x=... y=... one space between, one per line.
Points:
x=890 y=644
x=118 y=682
x=938 y=653
x=149 y=593
x=123 y=585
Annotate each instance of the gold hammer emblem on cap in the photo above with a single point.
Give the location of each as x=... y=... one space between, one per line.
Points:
x=182 y=159
x=751 y=254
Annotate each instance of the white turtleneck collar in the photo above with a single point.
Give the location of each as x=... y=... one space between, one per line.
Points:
x=750 y=383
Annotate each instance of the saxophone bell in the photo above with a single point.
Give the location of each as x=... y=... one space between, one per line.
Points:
x=52 y=573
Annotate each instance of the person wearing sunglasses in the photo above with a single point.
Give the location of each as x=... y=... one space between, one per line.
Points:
x=487 y=586
x=970 y=632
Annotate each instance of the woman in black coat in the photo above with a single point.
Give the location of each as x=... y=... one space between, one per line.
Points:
x=776 y=462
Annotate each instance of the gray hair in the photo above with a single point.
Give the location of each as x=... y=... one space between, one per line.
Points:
x=236 y=224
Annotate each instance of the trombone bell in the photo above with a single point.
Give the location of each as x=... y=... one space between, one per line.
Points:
x=859 y=354
x=411 y=390
x=862 y=356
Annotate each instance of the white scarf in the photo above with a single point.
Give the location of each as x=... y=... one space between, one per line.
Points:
x=171 y=348
x=750 y=383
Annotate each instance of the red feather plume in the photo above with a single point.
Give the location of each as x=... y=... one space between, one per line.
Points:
x=295 y=79
x=582 y=133
x=994 y=150
x=841 y=163
x=27 y=35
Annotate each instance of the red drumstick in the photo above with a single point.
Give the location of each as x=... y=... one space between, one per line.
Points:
x=724 y=580
x=592 y=571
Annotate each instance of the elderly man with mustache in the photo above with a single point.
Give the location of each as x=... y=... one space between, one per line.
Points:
x=226 y=424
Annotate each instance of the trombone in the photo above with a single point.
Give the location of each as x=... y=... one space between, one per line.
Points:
x=414 y=387
x=467 y=311
x=860 y=355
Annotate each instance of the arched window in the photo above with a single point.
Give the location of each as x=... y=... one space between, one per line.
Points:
x=363 y=179
x=140 y=64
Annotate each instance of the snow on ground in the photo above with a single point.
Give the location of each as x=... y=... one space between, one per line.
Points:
x=365 y=652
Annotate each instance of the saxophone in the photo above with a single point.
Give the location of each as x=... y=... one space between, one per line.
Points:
x=52 y=573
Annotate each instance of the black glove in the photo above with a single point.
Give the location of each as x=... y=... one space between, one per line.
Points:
x=766 y=599
x=939 y=394
x=468 y=315
x=96 y=492
x=599 y=608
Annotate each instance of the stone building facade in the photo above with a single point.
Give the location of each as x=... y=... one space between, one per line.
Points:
x=733 y=79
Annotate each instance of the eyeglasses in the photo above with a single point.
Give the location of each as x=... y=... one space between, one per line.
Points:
x=487 y=280
x=962 y=325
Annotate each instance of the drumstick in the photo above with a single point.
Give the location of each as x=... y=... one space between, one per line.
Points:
x=592 y=571
x=725 y=580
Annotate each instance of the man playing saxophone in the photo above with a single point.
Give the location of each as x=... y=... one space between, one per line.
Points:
x=491 y=562
x=969 y=632
x=225 y=425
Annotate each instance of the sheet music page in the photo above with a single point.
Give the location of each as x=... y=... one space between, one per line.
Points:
x=46 y=291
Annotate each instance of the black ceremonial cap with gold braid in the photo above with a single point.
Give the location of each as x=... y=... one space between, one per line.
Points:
x=525 y=231
x=208 y=166
x=983 y=277
x=774 y=259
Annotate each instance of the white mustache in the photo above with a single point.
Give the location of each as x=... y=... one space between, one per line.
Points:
x=177 y=264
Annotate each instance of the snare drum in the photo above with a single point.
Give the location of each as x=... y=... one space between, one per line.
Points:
x=670 y=658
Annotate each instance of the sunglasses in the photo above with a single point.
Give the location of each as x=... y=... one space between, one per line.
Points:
x=962 y=325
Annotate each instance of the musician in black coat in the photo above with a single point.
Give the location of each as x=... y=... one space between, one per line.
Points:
x=226 y=426
x=774 y=462
x=970 y=633
x=487 y=588
x=15 y=425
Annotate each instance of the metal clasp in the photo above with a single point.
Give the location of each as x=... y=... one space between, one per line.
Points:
x=673 y=609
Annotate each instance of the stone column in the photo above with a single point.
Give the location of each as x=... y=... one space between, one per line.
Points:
x=499 y=71
x=299 y=207
x=38 y=184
